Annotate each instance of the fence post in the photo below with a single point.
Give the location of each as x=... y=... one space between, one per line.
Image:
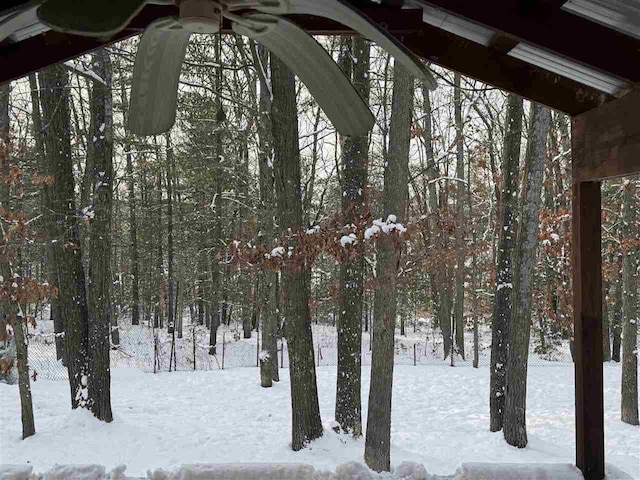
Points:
x=414 y=354
x=281 y=354
x=193 y=330
x=258 y=348
x=223 y=343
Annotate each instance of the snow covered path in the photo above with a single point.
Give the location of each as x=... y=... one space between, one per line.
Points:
x=440 y=419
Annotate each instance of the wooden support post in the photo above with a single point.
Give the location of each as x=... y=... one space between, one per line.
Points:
x=587 y=314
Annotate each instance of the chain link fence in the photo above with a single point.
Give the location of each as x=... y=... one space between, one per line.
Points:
x=155 y=350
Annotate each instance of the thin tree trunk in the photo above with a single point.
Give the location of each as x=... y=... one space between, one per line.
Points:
x=514 y=423
x=10 y=310
x=616 y=326
x=629 y=401
x=458 y=311
x=306 y=423
x=54 y=312
x=354 y=210
x=504 y=275
x=134 y=306
x=65 y=233
x=377 y=453
x=266 y=288
x=171 y=327
x=100 y=282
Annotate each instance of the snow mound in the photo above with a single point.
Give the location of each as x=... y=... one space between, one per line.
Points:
x=77 y=472
x=15 y=472
x=240 y=472
x=518 y=471
x=257 y=471
x=411 y=471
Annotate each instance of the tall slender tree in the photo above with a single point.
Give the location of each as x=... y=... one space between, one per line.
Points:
x=54 y=309
x=355 y=61
x=460 y=198
x=65 y=233
x=10 y=310
x=268 y=278
x=514 y=423
x=134 y=304
x=629 y=402
x=306 y=424
x=100 y=283
x=377 y=453
x=501 y=321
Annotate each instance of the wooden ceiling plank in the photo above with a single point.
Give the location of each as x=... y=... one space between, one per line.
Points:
x=554 y=30
x=504 y=72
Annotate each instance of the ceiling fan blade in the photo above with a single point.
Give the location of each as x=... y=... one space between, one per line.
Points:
x=333 y=91
x=342 y=12
x=156 y=74
x=89 y=17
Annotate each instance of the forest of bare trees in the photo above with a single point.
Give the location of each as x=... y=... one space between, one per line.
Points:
x=454 y=208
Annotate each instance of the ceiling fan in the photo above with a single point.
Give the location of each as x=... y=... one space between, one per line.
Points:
x=163 y=46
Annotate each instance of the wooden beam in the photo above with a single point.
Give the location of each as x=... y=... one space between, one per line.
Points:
x=587 y=317
x=554 y=30
x=606 y=140
x=508 y=73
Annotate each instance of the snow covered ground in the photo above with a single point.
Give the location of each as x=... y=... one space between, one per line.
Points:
x=440 y=419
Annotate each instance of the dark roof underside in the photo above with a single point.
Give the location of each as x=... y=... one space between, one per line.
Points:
x=570 y=55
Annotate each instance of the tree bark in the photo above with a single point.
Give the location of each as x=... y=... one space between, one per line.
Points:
x=354 y=209
x=171 y=321
x=306 y=423
x=100 y=282
x=629 y=400
x=616 y=325
x=64 y=232
x=269 y=279
x=515 y=430
x=504 y=276
x=54 y=311
x=377 y=452
x=458 y=310
x=134 y=305
x=10 y=310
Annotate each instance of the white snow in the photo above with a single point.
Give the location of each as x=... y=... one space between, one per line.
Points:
x=440 y=419
x=371 y=231
x=277 y=252
x=348 y=240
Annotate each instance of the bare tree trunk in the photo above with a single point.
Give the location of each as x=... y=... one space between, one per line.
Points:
x=616 y=326
x=514 y=423
x=269 y=279
x=64 y=233
x=354 y=209
x=54 y=313
x=440 y=284
x=629 y=401
x=606 y=338
x=100 y=282
x=171 y=327
x=134 y=305
x=458 y=311
x=306 y=423
x=504 y=275
x=10 y=310
x=377 y=453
